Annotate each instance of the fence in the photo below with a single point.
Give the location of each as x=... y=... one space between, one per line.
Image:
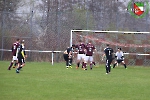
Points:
x=50 y=31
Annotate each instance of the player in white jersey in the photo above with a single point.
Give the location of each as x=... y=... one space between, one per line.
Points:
x=119 y=58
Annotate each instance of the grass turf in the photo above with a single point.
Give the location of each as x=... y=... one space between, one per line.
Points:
x=42 y=81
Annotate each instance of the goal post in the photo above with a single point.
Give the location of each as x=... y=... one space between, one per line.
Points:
x=135 y=45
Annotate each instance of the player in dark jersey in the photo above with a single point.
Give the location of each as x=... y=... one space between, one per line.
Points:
x=21 y=56
x=81 y=53
x=68 y=56
x=89 y=51
x=14 y=53
x=108 y=52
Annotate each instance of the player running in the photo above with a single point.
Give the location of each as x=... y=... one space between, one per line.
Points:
x=21 y=56
x=14 y=53
x=89 y=51
x=119 y=58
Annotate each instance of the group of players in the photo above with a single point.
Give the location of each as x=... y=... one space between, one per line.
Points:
x=85 y=54
x=119 y=56
x=19 y=55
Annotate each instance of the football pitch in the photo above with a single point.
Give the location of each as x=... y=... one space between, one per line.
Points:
x=42 y=81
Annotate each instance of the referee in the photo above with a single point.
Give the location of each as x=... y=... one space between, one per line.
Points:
x=108 y=52
x=68 y=55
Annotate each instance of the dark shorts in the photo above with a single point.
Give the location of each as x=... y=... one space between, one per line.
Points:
x=65 y=57
x=119 y=61
x=21 y=60
x=109 y=60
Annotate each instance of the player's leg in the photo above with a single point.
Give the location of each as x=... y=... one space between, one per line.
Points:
x=78 y=60
x=70 y=62
x=106 y=66
x=11 y=63
x=124 y=64
x=15 y=59
x=85 y=62
x=16 y=63
x=91 y=62
x=19 y=64
x=94 y=63
x=109 y=65
x=23 y=64
x=116 y=62
x=66 y=59
x=114 y=65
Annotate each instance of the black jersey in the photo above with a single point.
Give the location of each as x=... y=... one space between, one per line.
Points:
x=109 y=53
x=21 y=52
x=70 y=50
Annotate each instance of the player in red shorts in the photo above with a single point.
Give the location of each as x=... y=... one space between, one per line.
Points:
x=89 y=51
x=14 y=53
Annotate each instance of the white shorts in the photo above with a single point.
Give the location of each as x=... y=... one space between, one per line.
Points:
x=80 y=56
x=15 y=58
x=89 y=58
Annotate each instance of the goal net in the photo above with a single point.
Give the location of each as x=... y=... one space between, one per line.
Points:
x=135 y=45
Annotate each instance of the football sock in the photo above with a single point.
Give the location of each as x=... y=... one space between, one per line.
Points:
x=114 y=65
x=91 y=65
x=109 y=68
x=94 y=63
x=10 y=64
x=78 y=64
x=20 y=68
x=125 y=66
x=15 y=64
x=67 y=63
x=82 y=64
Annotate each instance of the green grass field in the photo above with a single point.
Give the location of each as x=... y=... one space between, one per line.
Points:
x=42 y=81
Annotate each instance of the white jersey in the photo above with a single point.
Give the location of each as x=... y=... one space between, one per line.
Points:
x=119 y=55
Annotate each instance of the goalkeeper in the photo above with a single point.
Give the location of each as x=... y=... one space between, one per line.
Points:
x=119 y=58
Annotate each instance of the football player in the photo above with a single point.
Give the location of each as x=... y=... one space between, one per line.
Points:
x=89 y=51
x=108 y=52
x=21 y=56
x=119 y=58
x=14 y=53
x=81 y=53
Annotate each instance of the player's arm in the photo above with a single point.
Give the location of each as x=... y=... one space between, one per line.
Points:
x=103 y=56
x=12 y=48
x=94 y=51
x=122 y=55
x=116 y=55
x=65 y=52
x=25 y=54
x=70 y=54
x=22 y=52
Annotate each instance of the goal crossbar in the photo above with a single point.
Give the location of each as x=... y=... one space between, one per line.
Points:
x=97 y=31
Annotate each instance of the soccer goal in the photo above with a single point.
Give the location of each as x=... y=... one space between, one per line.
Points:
x=135 y=45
